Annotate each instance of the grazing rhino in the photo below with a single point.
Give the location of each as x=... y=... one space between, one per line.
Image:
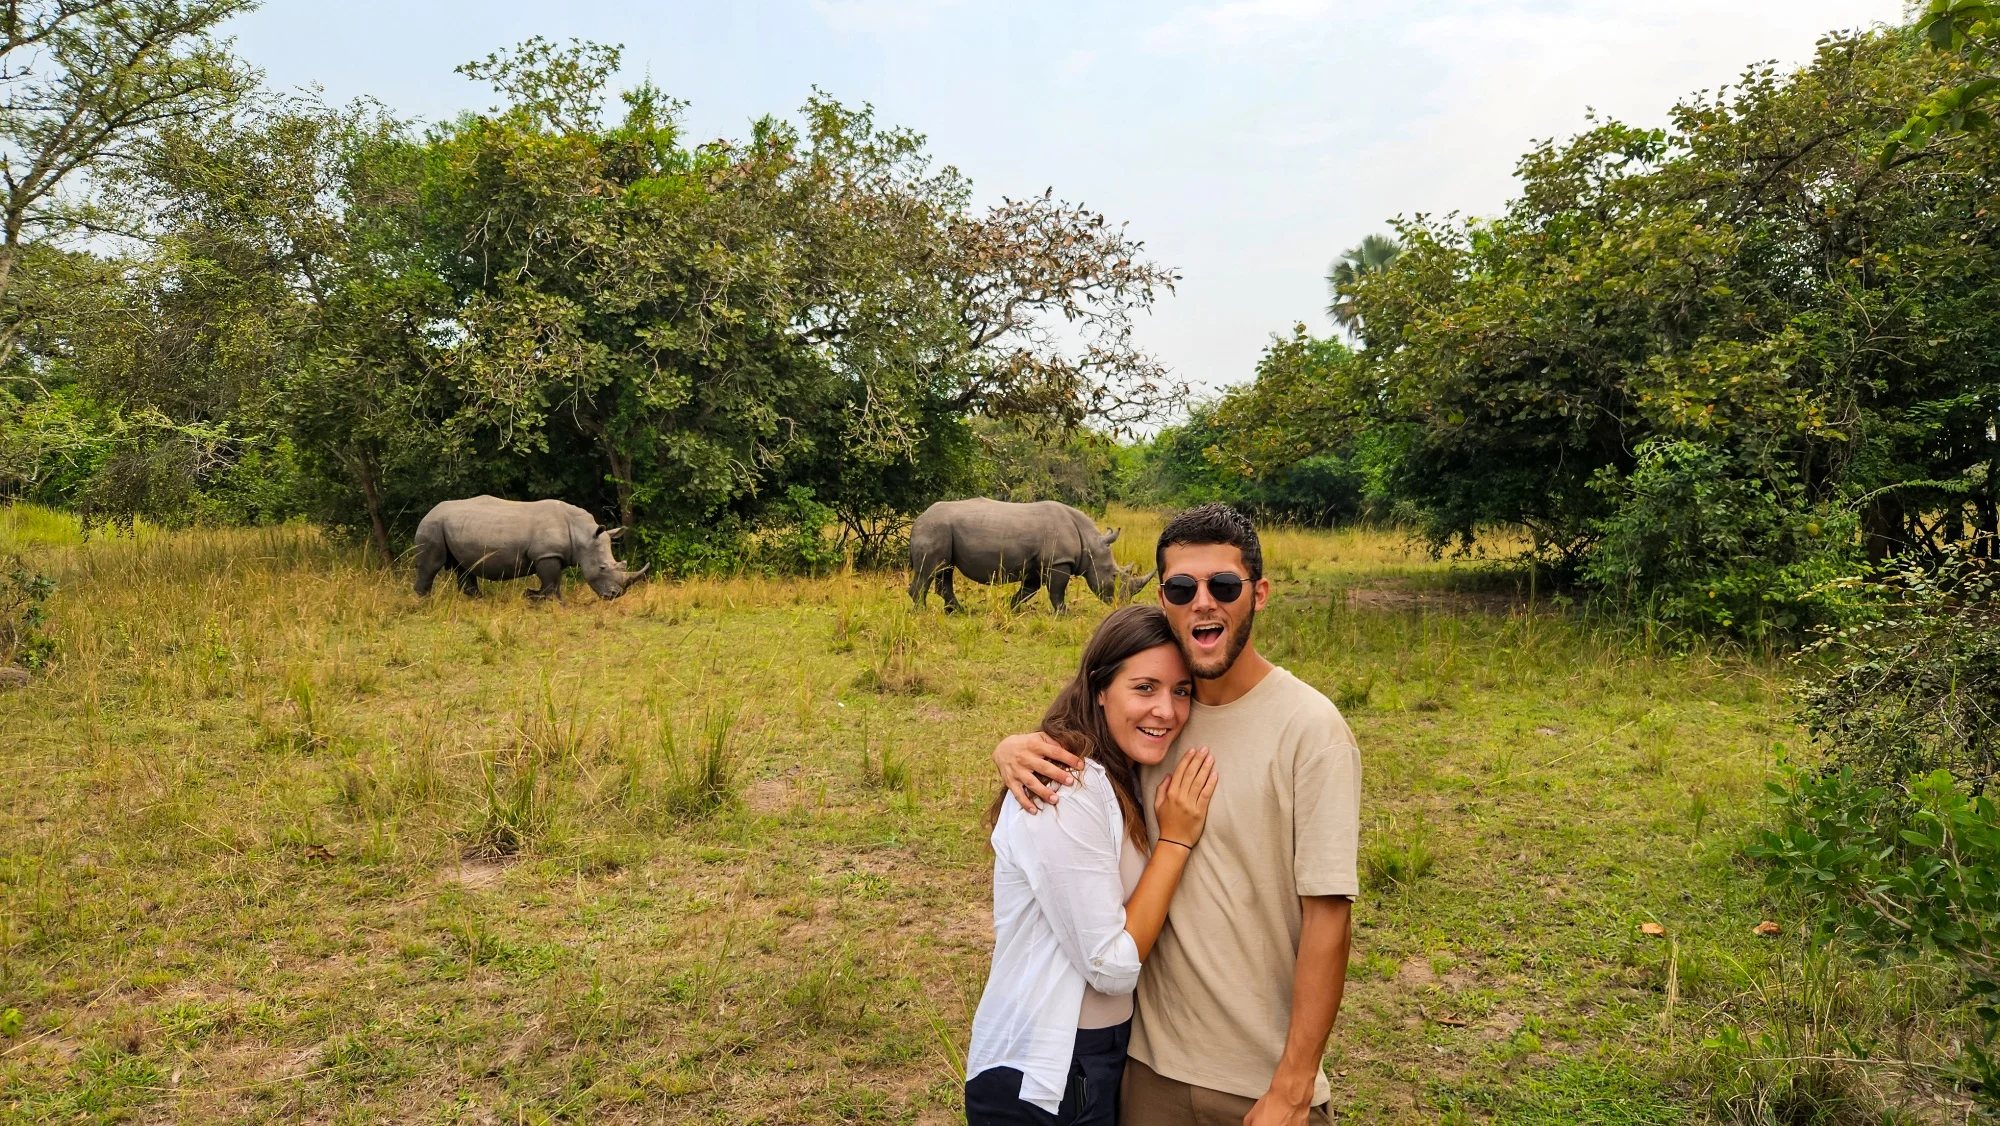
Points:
x=992 y=541
x=490 y=538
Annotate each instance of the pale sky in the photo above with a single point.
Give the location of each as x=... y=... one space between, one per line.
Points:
x=1247 y=142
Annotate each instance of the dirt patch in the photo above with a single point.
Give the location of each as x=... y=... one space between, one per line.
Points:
x=477 y=873
x=1448 y=601
x=771 y=795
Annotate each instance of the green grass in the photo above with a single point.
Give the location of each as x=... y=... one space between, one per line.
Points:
x=282 y=842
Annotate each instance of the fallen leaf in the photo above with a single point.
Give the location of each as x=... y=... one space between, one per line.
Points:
x=1769 y=929
x=1654 y=929
x=318 y=852
x=1449 y=1022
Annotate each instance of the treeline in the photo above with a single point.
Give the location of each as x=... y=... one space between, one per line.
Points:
x=260 y=307
x=1709 y=369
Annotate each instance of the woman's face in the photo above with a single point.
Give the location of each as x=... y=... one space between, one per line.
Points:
x=1146 y=704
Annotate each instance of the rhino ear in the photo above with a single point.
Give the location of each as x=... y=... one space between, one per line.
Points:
x=1111 y=536
x=614 y=533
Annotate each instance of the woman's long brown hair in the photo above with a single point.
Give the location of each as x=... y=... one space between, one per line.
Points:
x=1077 y=722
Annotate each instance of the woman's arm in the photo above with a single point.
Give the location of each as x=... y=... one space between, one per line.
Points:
x=1069 y=855
x=1181 y=807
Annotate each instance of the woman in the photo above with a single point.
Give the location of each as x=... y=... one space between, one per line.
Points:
x=1078 y=895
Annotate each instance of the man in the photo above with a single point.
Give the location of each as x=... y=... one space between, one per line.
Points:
x=1239 y=996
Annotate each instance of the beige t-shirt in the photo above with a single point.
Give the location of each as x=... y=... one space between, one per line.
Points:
x=1215 y=998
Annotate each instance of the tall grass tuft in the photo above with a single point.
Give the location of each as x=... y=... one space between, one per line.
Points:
x=519 y=813
x=685 y=784
x=1797 y=1036
x=1396 y=862
x=555 y=733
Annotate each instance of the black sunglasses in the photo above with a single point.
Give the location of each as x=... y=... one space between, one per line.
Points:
x=1180 y=589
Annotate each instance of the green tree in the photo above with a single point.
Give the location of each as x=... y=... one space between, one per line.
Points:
x=84 y=86
x=707 y=328
x=1372 y=256
x=1679 y=349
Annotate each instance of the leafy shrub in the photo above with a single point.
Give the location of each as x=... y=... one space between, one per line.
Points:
x=1702 y=540
x=799 y=542
x=1900 y=875
x=1917 y=689
x=1893 y=842
x=25 y=638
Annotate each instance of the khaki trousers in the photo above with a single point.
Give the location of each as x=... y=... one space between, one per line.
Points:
x=1147 y=1098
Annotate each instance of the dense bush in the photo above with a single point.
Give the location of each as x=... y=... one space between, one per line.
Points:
x=1699 y=539
x=1892 y=839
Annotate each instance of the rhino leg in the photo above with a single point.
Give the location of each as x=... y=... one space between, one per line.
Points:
x=430 y=560
x=945 y=592
x=1031 y=585
x=1058 y=584
x=920 y=583
x=468 y=583
x=549 y=571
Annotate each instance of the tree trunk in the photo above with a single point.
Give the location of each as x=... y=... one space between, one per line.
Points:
x=1882 y=527
x=1989 y=515
x=364 y=468
x=9 y=250
x=621 y=477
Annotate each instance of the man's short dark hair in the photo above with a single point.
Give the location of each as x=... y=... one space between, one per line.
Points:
x=1212 y=523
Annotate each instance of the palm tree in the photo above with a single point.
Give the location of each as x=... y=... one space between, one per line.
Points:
x=1371 y=257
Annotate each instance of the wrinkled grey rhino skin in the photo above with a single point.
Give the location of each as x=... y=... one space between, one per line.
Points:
x=490 y=538
x=991 y=541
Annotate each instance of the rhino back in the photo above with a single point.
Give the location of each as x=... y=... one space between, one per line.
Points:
x=509 y=534
x=987 y=533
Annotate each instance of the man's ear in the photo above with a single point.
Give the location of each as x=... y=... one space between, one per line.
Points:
x=1260 y=593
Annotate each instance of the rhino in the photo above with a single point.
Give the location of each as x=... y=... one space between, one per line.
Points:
x=991 y=541
x=490 y=538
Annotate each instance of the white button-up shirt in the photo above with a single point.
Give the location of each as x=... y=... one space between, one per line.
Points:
x=1058 y=924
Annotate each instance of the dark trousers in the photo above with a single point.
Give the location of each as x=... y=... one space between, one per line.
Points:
x=993 y=1097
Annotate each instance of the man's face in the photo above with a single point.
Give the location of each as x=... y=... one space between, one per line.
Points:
x=1212 y=633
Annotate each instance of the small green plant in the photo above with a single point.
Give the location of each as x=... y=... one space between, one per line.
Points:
x=418 y=774
x=1352 y=693
x=1652 y=759
x=25 y=637
x=895 y=773
x=1698 y=809
x=307 y=730
x=832 y=992
x=555 y=733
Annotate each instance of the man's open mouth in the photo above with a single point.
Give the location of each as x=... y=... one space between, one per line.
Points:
x=1207 y=635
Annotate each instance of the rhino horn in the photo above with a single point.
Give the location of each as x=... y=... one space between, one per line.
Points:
x=635 y=576
x=1138 y=584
